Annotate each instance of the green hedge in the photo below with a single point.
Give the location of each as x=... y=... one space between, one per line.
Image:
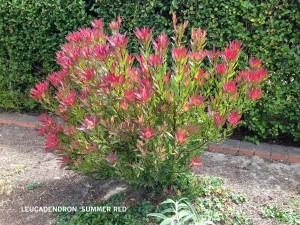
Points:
x=32 y=32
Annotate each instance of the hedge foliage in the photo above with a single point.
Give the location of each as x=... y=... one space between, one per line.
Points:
x=31 y=31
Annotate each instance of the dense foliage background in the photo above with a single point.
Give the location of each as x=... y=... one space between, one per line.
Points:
x=31 y=31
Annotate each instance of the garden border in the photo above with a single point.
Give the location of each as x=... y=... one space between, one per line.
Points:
x=236 y=147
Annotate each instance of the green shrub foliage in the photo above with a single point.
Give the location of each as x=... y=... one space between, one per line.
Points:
x=268 y=30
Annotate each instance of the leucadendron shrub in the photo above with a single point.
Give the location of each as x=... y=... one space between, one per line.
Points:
x=144 y=118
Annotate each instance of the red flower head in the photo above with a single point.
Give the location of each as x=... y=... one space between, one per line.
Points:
x=112 y=157
x=220 y=69
x=115 y=25
x=180 y=136
x=255 y=93
x=40 y=90
x=162 y=43
x=255 y=63
x=229 y=54
x=147 y=133
x=196 y=100
x=230 y=87
x=234 y=118
x=219 y=119
x=196 y=162
x=179 y=54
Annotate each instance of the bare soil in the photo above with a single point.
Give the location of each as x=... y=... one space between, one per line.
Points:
x=29 y=177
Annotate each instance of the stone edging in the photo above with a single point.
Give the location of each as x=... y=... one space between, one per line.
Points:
x=263 y=150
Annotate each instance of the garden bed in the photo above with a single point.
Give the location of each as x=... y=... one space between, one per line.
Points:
x=29 y=177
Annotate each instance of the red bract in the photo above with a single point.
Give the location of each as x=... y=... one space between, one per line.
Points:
x=219 y=119
x=124 y=105
x=196 y=162
x=198 y=37
x=180 y=136
x=257 y=76
x=196 y=100
x=101 y=51
x=155 y=60
x=40 y=90
x=144 y=34
x=230 y=87
x=57 y=78
x=147 y=133
x=115 y=25
x=179 y=54
x=87 y=74
x=234 y=118
x=112 y=79
x=235 y=46
x=52 y=141
x=70 y=99
x=255 y=63
x=143 y=95
x=130 y=95
x=162 y=43
x=46 y=120
x=213 y=55
x=255 y=93
x=197 y=56
x=118 y=41
x=230 y=54
x=220 y=69
x=98 y=23
x=89 y=123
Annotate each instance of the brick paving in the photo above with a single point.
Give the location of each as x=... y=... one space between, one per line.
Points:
x=263 y=150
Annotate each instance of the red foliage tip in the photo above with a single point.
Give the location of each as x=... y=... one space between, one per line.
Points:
x=147 y=133
x=179 y=54
x=112 y=157
x=196 y=162
x=196 y=100
x=219 y=119
x=255 y=63
x=180 y=136
x=220 y=69
x=40 y=90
